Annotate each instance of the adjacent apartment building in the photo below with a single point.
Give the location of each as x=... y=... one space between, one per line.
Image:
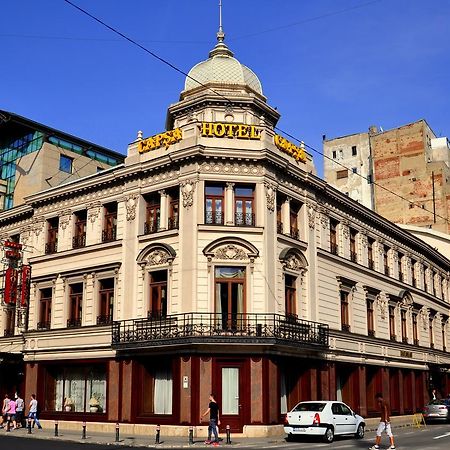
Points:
x=402 y=174
x=214 y=260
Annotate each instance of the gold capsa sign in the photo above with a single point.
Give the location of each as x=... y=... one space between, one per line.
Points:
x=230 y=130
x=165 y=139
x=288 y=147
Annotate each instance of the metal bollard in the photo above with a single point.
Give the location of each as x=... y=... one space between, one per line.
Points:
x=191 y=435
x=158 y=432
x=83 y=435
x=228 y=435
x=117 y=432
x=29 y=426
x=56 y=428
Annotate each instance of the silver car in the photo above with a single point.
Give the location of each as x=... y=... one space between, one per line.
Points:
x=324 y=419
x=436 y=410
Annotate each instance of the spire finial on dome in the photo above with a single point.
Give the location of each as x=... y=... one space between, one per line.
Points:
x=220 y=48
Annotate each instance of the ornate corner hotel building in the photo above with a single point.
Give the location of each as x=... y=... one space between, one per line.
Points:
x=215 y=260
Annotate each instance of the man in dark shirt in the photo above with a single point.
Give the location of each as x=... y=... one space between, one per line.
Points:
x=213 y=410
x=385 y=423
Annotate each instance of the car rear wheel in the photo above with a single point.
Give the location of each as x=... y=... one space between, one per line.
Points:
x=329 y=435
x=360 y=431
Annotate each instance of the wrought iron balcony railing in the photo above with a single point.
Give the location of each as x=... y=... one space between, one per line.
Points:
x=73 y=323
x=104 y=320
x=172 y=223
x=334 y=248
x=109 y=235
x=79 y=241
x=294 y=233
x=214 y=217
x=279 y=227
x=151 y=227
x=51 y=247
x=216 y=327
x=8 y=333
x=43 y=325
x=244 y=219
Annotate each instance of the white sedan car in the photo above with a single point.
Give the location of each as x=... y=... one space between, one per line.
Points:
x=323 y=418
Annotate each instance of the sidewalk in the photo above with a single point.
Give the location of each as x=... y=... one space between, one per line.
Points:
x=142 y=441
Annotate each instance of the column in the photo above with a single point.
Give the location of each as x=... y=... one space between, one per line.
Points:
x=163 y=213
x=229 y=204
x=286 y=216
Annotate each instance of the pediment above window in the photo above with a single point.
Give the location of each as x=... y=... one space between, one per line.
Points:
x=227 y=249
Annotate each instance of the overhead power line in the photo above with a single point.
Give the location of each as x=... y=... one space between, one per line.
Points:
x=182 y=72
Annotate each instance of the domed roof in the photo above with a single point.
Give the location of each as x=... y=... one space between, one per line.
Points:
x=221 y=67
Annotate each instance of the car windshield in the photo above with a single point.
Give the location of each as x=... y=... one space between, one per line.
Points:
x=316 y=407
x=437 y=402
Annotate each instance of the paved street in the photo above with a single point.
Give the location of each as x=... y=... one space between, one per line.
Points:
x=434 y=437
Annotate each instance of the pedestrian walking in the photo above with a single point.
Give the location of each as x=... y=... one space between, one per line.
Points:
x=32 y=413
x=385 y=423
x=5 y=407
x=214 y=421
x=20 y=406
x=11 y=415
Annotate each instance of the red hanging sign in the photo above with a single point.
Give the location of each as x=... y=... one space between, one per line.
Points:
x=10 y=295
x=25 y=290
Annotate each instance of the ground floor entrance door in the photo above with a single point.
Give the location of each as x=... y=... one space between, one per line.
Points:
x=232 y=388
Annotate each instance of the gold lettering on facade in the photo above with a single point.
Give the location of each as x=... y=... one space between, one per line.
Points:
x=230 y=130
x=161 y=140
x=288 y=147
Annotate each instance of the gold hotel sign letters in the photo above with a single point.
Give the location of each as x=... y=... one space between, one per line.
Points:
x=219 y=129
x=165 y=139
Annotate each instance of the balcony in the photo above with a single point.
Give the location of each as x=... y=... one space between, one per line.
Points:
x=280 y=227
x=244 y=219
x=43 y=325
x=109 y=235
x=214 y=217
x=79 y=241
x=207 y=328
x=73 y=323
x=104 y=320
x=294 y=233
x=371 y=264
x=51 y=247
x=151 y=227
x=334 y=248
x=173 y=223
x=8 y=333
x=353 y=257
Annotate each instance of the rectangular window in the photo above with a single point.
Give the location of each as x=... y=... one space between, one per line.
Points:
x=444 y=334
x=214 y=205
x=333 y=236
x=45 y=309
x=75 y=305
x=158 y=295
x=157 y=389
x=230 y=297
x=153 y=213
x=244 y=208
x=109 y=232
x=65 y=164
x=370 y=243
x=415 y=332
x=106 y=301
x=392 y=335
x=386 y=260
x=400 y=267
x=370 y=317
x=341 y=174
x=279 y=217
x=353 y=254
x=76 y=389
x=79 y=236
x=334 y=154
x=293 y=218
x=174 y=210
x=404 y=327
x=290 y=296
x=51 y=245
x=345 y=319
x=354 y=150
x=354 y=170
x=431 y=332
x=413 y=273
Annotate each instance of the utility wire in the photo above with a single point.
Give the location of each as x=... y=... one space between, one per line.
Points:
x=172 y=66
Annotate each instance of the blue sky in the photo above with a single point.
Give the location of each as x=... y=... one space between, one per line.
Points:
x=331 y=67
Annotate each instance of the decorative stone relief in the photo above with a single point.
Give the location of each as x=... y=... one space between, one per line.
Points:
x=380 y=247
x=407 y=302
x=270 y=196
x=311 y=214
x=64 y=218
x=292 y=262
x=235 y=169
x=158 y=257
x=25 y=235
x=364 y=240
x=131 y=202
x=345 y=229
x=93 y=211
x=187 y=191
x=425 y=316
x=382 y=303
x=230 y=251
x=38 y=225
